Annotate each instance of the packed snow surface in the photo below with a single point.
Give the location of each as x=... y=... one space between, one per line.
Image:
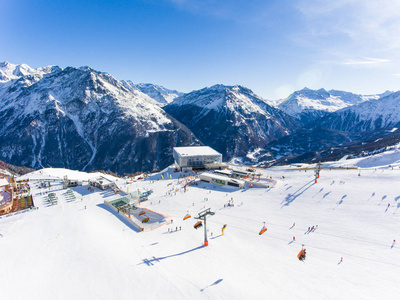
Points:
x=80 y=249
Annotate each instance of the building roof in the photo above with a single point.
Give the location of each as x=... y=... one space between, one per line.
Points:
x=198 y=150
x=4 y=182
x=103 y=179
x=221 y=177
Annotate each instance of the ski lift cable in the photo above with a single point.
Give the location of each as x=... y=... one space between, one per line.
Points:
x=310 y=246
x=317 y=232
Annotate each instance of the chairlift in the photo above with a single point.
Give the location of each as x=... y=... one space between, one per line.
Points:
x=187 y=217
x=264 y=229
x=198 y=225
x=302 y=254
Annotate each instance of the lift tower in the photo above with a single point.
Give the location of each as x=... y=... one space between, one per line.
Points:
x=203 y=216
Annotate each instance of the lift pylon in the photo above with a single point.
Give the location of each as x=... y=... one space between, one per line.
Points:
x=203 y=216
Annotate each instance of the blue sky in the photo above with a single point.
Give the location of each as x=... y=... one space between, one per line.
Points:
x=272 y=46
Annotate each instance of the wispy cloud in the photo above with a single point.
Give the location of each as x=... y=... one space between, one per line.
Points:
x=240 y=11
x=352 y=27
x=366 y=61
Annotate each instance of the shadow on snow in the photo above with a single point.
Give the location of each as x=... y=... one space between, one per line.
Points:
x=150 y=261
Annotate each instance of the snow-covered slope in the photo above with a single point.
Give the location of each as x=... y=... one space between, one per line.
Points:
x=81 y=118
x=308 y=105
x=10 y=71
x=158 y=93
x=79 y=249
x=371 y=115
x=231 y=119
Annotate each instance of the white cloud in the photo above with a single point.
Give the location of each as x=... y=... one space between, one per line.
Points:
x=355 y=27
x=366 y=61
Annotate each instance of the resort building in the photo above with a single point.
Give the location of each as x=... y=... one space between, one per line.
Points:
x=201 y=157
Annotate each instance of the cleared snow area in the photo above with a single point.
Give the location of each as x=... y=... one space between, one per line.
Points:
x=65 y=251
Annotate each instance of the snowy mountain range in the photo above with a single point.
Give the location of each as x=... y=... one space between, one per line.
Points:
x=231 y=119
x=308 y=105
x=371 y=115
x=156 y=92
x=84 y=119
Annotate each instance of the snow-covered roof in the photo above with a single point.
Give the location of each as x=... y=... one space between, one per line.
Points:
x=3 y=182
x=198 y=150
x=59 y=173
x=221 y=177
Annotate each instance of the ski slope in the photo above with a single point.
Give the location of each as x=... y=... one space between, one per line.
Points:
x=67 y=251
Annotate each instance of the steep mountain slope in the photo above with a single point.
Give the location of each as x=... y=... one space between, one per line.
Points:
x=158 y=93
x=10 y=71
x=362 y=144
x=308 y=105
x=368 y=116
x=231 y=119
x=83 y=119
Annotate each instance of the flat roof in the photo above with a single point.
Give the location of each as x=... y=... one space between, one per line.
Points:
x=226 y=172
x=102 y=178
x=4 y=182
x=221 y=177
x=196 y=150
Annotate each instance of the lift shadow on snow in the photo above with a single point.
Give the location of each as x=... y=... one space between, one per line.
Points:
x=397 y=208
x=291 y=197
x=150 y=261
x=214 y=283
x=340 y=202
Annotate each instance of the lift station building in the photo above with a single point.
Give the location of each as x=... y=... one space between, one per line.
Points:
x=199 y=157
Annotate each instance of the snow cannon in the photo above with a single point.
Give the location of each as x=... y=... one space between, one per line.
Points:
x=199 y=224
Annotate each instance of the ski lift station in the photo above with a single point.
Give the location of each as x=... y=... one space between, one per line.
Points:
x=221 y=180
x=200 y=157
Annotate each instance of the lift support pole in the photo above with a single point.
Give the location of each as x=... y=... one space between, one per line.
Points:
x=203 y=216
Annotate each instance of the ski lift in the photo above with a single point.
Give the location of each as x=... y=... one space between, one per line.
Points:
x=302 y=254
x=198 y=225
x=142 y=213
x=264 y=229
x=187 y=216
